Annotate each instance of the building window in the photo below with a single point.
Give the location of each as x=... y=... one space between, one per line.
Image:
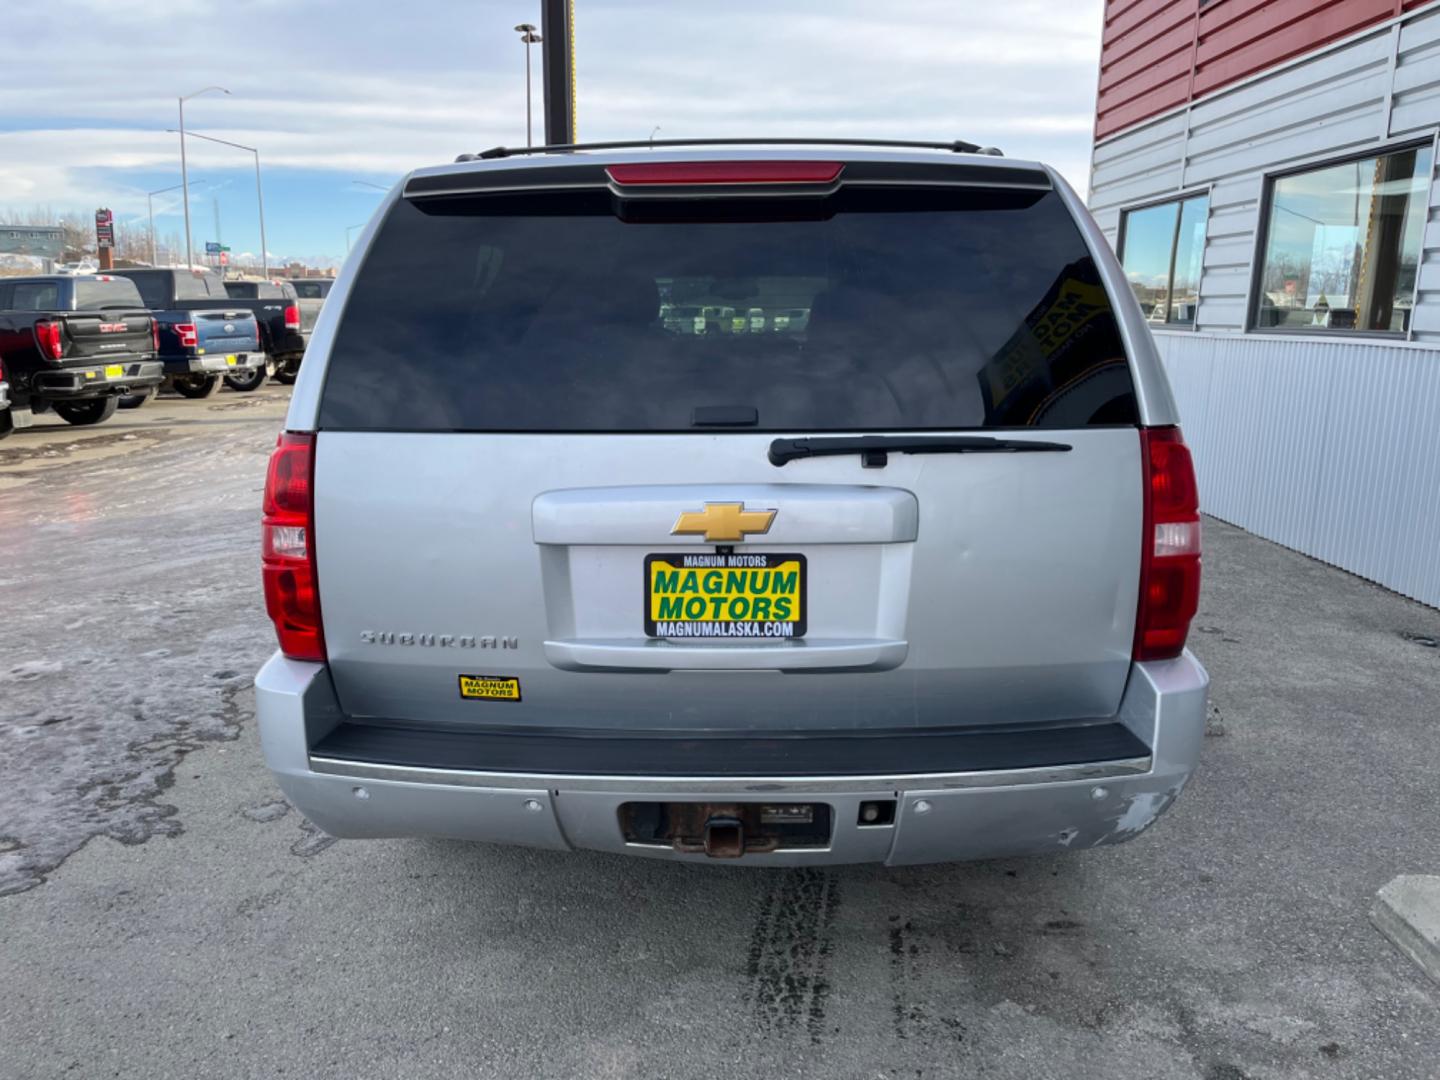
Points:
x=1342 y=245
x=1162 y=248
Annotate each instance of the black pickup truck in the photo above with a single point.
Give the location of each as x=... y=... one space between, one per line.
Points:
x=179 y=289
x=285 y=365
x=311 y=293
x=74 y=345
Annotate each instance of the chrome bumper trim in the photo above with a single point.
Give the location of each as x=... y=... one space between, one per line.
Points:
x=764 y=785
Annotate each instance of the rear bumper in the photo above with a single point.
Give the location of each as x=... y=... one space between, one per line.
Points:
x=12 y=418
x=213 y=364
x=291 y=341
x=940 y=817
x=96 y=380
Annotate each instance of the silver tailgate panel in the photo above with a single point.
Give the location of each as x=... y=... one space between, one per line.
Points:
x=971 y=589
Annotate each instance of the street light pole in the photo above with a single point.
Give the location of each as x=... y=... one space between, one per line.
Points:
x=184 y=175
x=528 y=37
x=259 y=196
x=150 y=202
x=260 y=199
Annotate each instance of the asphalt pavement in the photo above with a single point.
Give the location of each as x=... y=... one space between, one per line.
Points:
x=164 y=913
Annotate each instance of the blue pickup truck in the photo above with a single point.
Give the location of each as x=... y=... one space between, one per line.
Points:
x=199 y=348
x=193 y=290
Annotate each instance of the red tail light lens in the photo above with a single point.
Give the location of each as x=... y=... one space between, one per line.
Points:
x=292 y=316
x=187 y=334
x=1170 y=558
x=155 y=334
x=47 y=335
x=287 y=549
x=727 y=172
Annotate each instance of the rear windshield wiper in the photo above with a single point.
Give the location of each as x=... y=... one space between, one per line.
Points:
x=873 y=449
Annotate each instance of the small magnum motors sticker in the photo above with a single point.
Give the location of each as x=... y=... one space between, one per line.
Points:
x=490 y=687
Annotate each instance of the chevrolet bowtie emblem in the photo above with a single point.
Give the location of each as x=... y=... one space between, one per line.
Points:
x=723 y=522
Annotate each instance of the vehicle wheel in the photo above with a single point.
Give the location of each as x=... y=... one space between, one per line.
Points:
x=136 y=399
x=285 y=378
x=246 y=383
x=197 y=386
x=90 y=411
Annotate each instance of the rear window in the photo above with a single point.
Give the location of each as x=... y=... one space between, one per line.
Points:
x=311 y=290
x=156 y=285
x=887 y=310
x=257 y=290
x=106 y=295
x=36 y=296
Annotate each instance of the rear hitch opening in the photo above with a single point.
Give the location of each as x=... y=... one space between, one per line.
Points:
x=724 y=838
x=727 y=830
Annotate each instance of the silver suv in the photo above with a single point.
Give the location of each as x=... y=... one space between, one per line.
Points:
x=903 y=576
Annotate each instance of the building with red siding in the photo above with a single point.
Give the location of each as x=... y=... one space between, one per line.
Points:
x=1266 y=170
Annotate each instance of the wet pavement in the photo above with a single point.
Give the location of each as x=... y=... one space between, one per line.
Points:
x=131 y=613
x=164 y=912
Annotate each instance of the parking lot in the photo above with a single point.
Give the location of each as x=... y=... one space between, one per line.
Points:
x=164 y=913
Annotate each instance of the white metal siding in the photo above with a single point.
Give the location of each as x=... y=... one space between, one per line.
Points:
x=1329 y=446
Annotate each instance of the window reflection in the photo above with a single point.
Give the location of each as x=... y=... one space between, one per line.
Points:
x=1342 y=245
x=1164 y=249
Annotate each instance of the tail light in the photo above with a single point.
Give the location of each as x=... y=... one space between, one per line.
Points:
x=287 y=548
x=1170 y=559
x=726 y=172
x=187 y=334
x=47 y=335
x=155 y=334
x=292 y=316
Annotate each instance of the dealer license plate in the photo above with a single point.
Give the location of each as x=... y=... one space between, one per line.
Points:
x=232 y=360
x=114 y=371
x=739 y=595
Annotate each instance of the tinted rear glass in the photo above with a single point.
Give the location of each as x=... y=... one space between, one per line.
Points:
x=888 y=310
x=157 y=286
x=311 y=290
x=106 y=295
x=242 y=290
x=154 y=286
x=36 y=296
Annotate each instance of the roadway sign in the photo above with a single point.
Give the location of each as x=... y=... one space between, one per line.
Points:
x=213 y=248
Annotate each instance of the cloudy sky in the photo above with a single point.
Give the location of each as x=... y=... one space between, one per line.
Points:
x=334 y=91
